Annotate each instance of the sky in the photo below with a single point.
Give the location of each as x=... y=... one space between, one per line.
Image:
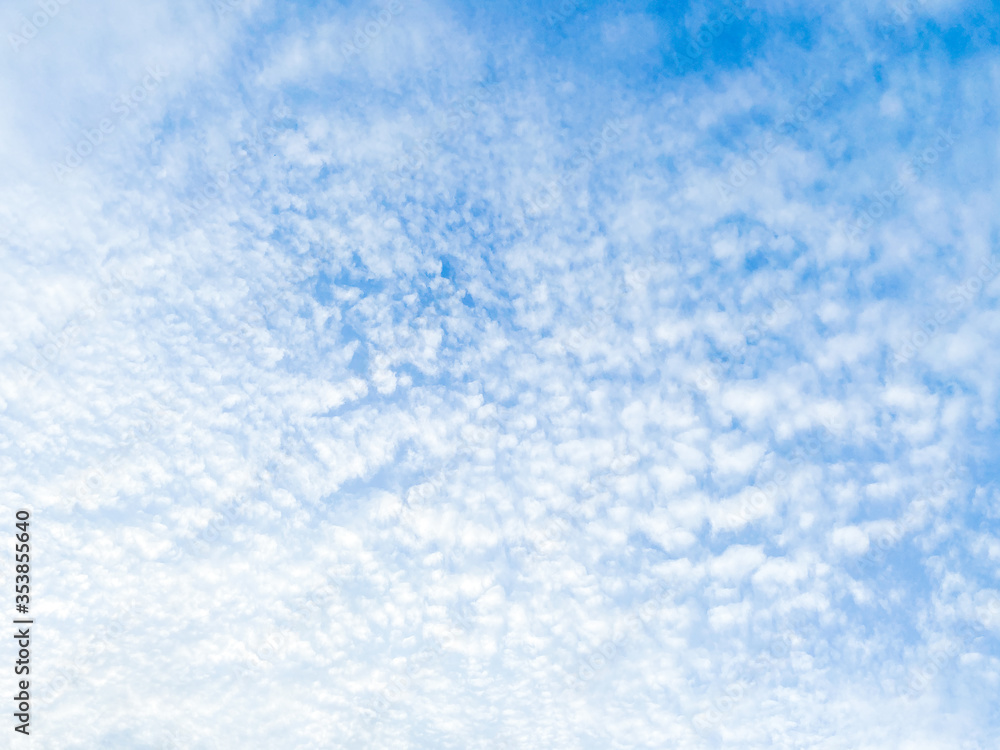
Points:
x=503 y=375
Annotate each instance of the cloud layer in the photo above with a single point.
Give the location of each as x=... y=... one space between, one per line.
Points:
x=432 y=375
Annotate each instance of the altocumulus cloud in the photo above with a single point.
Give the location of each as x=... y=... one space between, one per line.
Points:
x=440 y=375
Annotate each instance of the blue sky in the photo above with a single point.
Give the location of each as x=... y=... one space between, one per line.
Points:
x=440 y=375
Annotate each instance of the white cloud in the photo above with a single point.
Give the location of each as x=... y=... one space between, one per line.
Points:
x=411 y=455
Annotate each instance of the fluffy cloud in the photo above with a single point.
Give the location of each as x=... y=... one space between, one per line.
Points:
x=429 y=375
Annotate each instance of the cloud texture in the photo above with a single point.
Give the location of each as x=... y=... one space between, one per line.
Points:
x=432 y=375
